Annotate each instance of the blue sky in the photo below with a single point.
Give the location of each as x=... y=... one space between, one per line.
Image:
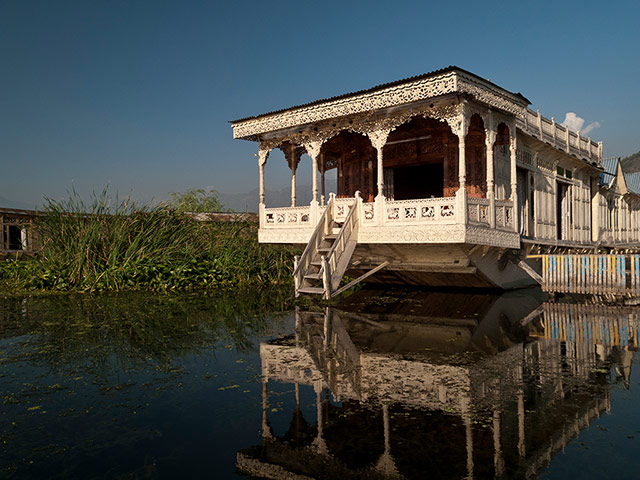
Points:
x=138 y=94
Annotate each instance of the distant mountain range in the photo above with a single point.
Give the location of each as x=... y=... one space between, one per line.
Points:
x=248 y=202
x=631 y=163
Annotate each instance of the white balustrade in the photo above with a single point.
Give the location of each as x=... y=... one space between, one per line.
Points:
x=420 y=211
x=478 y=211
x=557 y=135
x=504 y=214
x=341 y=208
x=287 y=217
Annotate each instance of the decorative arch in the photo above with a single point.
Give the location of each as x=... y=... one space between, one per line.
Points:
x=353 y=155
x=421 y=159
x=502 y=160
x=476 y=158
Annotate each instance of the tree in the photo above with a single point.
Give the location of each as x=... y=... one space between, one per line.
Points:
x=197 y=200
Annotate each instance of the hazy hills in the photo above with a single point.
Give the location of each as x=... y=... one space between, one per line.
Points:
x=248 y=202
x=631 y=163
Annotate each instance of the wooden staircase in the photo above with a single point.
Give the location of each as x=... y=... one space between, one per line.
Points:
x=320 y=268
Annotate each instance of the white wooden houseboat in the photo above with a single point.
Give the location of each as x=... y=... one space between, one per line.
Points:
x=443 y=179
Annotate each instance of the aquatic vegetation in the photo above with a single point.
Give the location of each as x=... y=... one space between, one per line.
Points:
x=120 y=245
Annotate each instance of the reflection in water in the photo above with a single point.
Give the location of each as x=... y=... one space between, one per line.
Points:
x=124 y=386
x=454 y=385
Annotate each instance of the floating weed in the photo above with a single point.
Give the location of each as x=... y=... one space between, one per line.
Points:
x=229 y=387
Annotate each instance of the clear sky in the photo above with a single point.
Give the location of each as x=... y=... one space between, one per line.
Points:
x=138 y=94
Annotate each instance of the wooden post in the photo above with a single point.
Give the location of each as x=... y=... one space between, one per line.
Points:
x=322 y=183
x=261 y=183
x=263 y=154
x=490 y=138
x=378 y=140
x=461 y=194
x=293 y=182
x=514 y=180
x=314 y=179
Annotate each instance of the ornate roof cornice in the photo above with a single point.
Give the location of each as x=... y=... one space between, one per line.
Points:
x=451 y=80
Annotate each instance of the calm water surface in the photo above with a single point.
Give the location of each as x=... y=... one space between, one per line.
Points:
x=400 y=384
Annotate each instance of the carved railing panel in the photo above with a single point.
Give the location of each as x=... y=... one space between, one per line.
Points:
x=341 y=208
x=287 y=217
x=368 y=213
x=478 y=211
x=504 y=214
x=427 y=210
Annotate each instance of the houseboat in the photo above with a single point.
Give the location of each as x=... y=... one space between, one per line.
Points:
x=443 y=179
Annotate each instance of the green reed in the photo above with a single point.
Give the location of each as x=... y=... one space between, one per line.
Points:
x=120 y=245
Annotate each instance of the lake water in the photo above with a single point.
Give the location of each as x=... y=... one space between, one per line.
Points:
x=389 y=384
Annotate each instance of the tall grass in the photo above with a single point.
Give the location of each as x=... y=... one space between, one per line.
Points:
x=119 y=245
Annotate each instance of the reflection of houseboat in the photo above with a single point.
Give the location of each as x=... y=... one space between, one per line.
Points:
x=394 y=402
x=442 y=179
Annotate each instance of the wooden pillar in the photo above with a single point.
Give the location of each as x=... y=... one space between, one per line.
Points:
x=262 y=184
x=293 y=167
x=313 y=150
x=263 y=154
x=322 y=183
x=490 y=140
x=461 y=194
x=314 y=179
x=378 y=139
x=514 y=179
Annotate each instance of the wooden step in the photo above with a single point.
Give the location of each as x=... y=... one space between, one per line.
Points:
x=323 y=250
x=313 y=290
x=330 y=237
x=313 y=276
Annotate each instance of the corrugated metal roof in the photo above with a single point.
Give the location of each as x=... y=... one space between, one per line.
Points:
x=610 y=166
x=633 y=182
x=450 y=68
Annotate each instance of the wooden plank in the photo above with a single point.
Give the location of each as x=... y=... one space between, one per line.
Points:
x=359 y=279
x=531 y=272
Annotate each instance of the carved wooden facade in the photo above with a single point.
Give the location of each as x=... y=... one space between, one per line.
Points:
x=446 y=157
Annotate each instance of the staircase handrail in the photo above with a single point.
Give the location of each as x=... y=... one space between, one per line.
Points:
x=314 y=242
x=350 y=225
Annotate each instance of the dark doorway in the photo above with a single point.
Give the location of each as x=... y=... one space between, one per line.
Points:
x=421 y=181
x=15 y=238
x=563 y=210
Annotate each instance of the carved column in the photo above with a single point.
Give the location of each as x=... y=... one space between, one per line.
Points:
x=263 y=154
x=322 y=183
x=490 y=140
x=293 y=165
x=313 y=150
x=378 y=140
x=514 y=178
x=460 y=126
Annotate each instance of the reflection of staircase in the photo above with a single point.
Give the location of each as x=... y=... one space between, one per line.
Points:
x=321 y=266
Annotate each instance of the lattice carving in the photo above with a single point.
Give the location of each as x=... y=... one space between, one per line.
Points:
x=446 y=83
